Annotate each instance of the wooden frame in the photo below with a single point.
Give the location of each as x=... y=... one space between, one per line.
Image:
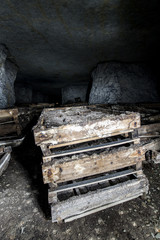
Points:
x=9 y=123
x=69 y=168
x=73 y=168
x=82 y=205
x=64 y=131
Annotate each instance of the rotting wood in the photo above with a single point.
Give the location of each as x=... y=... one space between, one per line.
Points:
x=157 y=158
x=12 y=142
x=103 y=207
x=9 y=123
x=96 y=180
x=5 y=149
x=88 y=139
x=4 y=161
x=49 y=156
x=92 y=200
x=45 y=150
x=66 y=126
x=78 y=166
x=8 y=129
x=153 y=129
x=52 y=196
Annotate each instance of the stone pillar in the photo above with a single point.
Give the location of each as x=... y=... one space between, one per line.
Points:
x=23 y=93
x=72 y=94
x=115 y=82
x=8 y=72
x=38 y=97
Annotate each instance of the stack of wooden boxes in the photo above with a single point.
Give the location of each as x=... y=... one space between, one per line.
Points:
x=92 y=159
x=9 y=129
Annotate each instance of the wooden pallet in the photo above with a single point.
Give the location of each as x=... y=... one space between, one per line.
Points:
x=86 y=148
x=9 y=123
x=68 y=126
x=82 y=144
x=79 y=199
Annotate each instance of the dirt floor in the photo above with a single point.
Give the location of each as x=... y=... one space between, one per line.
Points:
x=25 y=214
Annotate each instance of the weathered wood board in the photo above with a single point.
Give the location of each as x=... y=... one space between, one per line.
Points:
x=69 y=125
x=4 y=161
x=82 y=165
x=48 y=157
x=9 y=123
x=149 y=130
x=148 y=113
x=106 y=197
x=69 y=168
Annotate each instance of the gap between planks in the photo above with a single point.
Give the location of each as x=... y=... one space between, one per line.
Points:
x=86 y=139
x=96 y=180
x=86 y=149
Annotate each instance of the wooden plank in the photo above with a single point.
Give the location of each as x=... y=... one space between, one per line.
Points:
x=9 y=122
x=96 y=180
x=52 y=196
x=8 y=129
x=5 y=114
x=157 y=158
x=86 y=213
x=87 y=139
x=5 y=149
x=153 y=145
x=6 y=122
x=92 y=200
x=63 y=126
x=16 y=120
x=69 y=168
x=45 y=150
x=4 y=161
x=148 y=129
x=86 y=149
x=152 y=118
x=14 y=142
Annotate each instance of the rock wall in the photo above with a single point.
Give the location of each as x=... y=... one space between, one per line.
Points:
x=8 y=72
x=38 y=97
x=122 y=83
x=23 y=93
x=72 y=94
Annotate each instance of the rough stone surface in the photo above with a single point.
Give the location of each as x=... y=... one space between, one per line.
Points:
x=72 y=94
x=105 y=87
x=122 y=83
x=38 y=97
x=23 y=93
x=3 y=53
x=8 y=72
x=57 y=43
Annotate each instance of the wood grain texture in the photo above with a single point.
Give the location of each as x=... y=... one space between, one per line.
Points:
x=67 y=125
x=153 y=128
x=79 y=166
x=92 y=200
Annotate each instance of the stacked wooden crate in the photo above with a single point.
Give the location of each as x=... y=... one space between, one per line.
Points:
x=9 y=129
x=92 y=159
x=9 y=123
